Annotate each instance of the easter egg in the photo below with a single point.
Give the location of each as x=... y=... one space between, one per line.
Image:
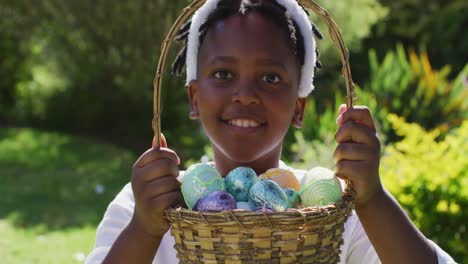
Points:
x=215 y=202
x=200 y=180
x=238 y=182
x=244 y=205
x=267 y=193
x=264 y=209
x=285 y=178
x=320 y=187
x=294 y=199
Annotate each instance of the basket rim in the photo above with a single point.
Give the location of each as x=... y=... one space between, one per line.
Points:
x=346 y=204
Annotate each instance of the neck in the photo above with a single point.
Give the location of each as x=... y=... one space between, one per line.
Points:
x=224 y=164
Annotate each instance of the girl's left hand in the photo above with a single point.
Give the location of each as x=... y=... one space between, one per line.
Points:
x=357 y=155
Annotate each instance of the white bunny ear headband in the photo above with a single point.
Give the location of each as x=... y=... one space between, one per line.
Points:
x=293 y=11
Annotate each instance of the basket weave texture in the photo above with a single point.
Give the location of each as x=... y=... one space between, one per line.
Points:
x=308 y=235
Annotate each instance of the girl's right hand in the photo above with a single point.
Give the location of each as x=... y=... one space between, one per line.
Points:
x=155 y=188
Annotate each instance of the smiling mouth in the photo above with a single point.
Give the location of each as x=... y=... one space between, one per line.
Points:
x=244 y=123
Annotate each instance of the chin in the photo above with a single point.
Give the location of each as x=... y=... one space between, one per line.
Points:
x=243 y=154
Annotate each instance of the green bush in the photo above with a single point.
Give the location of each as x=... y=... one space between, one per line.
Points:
x=429 y=179
x=409 y=87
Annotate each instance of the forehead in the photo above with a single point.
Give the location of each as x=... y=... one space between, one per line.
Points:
x=248 y=35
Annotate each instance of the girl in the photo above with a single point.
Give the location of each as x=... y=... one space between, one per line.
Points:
x=250 y=67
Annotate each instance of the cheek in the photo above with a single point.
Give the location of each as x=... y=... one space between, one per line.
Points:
x=283 y=106
x=210 y=101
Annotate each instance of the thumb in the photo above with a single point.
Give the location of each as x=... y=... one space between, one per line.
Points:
x=163 y=142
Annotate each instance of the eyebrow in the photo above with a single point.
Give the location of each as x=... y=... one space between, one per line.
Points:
x=261 y=62
x=271 y=62
x=223 y=59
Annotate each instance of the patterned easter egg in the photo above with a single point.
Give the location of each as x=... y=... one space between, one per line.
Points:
x=244 y=205
x=285 y=178
x=200 y=180
x=216 y=202
x=238 y=182
x=320 y=187
x=264 y=209
x=294 y=199
x=268 y=194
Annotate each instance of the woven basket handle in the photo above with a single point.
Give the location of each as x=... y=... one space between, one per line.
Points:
x=187 y=12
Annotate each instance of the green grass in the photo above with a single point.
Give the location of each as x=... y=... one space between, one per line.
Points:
x=54 y=190
x=19 y=245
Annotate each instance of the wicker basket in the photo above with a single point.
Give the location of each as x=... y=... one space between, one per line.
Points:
x=309 y=235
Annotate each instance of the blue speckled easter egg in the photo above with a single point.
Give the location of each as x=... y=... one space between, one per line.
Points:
x=238 y=182
x=294 y=199
x=200 y=180
x=268 y=194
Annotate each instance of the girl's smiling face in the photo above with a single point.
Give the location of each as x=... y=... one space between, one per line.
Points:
x=246 y=92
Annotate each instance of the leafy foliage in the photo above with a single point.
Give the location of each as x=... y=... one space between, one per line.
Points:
x=409 y=87
x=437 y=27
x=429 y=178
x=354 y=28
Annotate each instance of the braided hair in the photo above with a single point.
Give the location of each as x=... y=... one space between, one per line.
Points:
x=226 y=8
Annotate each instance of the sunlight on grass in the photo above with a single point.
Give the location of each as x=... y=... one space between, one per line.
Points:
x=55 y=189
x=58 y=180
x=19 y=245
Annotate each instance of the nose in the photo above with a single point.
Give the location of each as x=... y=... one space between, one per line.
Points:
x=245 y=92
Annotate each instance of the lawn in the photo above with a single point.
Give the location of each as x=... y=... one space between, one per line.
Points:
x=54 y=190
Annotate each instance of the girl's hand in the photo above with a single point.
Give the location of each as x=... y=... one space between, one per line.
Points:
x=357 y=155
x=156 y=188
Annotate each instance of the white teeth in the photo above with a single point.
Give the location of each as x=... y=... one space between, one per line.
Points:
x=243 y=123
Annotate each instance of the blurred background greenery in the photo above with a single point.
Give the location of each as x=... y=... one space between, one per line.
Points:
x=76 y=105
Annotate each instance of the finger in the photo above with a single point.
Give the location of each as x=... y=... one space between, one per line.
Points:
x=354 y=151
x=160 y=186
x=352 y=169
x=341 y=109
x=158 y=169
x=359 y=114
x=352 y=132
x=163 y=142
x=169 y=200
x=153 y=154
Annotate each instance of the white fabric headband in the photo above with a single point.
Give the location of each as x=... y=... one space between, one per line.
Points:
x=293 y=11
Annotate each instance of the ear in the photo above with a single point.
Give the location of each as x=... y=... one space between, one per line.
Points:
x=192 y=90
x=299 y=112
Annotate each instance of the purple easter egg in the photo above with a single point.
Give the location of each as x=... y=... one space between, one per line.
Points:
x=215 y=202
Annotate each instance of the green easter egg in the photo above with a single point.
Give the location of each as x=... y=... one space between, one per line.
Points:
x=294 y=199
x=320 y=187
x=200 y=180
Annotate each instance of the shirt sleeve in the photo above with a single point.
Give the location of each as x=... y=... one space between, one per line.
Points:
x=116 y=218
x=442 y=256
x=357 y=247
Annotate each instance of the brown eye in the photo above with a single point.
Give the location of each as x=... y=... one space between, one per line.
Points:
x=222 y=75
x=271 y=78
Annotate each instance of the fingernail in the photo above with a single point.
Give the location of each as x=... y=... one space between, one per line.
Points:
x=339 y=120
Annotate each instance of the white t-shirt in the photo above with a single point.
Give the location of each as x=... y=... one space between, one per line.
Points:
x=356 y=248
